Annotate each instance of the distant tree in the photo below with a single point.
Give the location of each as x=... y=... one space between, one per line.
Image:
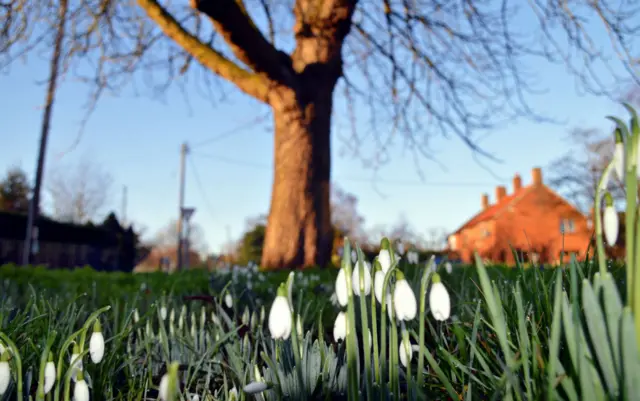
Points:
x=167 y=237
x=345 y=217
x=15 y=191
x=79 y=192
x=576 y=174
x=250 y=246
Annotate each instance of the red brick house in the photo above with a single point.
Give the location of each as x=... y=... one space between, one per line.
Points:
x=534 y=220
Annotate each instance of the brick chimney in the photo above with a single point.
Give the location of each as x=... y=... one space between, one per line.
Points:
x=485 y=201
x=536 y=176
x=501 y=192
x=517 y=182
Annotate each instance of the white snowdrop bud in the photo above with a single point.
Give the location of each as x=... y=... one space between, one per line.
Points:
x=280 y=315
x=384 y=258
x=163 y=312
x=81 y=390
x=405 y=304
x=619 y=156
x=49 y=374
x=439 y=301
x=340 y=327
x=255 y=387
x=342 y=291
x=378 y=283
x=355 y=279
x=96 y=343
x=405 y=355
x=5 y=372
x=610 y=221
x=228 y=300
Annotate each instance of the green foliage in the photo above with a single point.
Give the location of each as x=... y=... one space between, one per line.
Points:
x=250 y=249
x=15 y=191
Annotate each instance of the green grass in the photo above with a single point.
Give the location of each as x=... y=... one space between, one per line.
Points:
x=495 y=347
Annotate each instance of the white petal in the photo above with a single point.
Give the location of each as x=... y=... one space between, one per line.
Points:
x=228 y=300
x=439 y=302
x=354 y=256
x=384 y=258
x=340 y=327
x=280 y=318
x=355 y=279
x=378 y=282
x=404 y=301
x=195 y=397
x=49 y=376
x=163 y=388
x=610 y=223
x=233 y=394
x=405 y=357
x=448 y=267
x=5 y=377
x=76 y=365
x=341 y=288
x=255 y=387
x=163 y=313
x=400 y=248
x=81 y=391
x=96 y=347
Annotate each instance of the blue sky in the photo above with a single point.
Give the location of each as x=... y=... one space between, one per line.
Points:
x=137 y=140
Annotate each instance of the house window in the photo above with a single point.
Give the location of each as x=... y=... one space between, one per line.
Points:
x=567 y=226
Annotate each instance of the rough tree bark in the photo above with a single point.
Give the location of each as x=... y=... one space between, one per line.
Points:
x=299 y=88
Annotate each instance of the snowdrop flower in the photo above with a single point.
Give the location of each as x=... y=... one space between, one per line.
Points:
x=412 y=257
x=448 y=267
x=163 y=312
x=618 y=155
x=280 y=315
x=384 y=257
x=355 y=279
x=439 y=301
x=136 y=316
x=81 y=390
x=342 y=291
x=340 y=327
x=163 y=388
x=96 y=343
x=405 y=354
x=5 y=372
x=404 y=300
x=49 y=374
x=75 y=362
x=255 y=387
x=195 y=397
x=215 y=319
x=228 y=301
x=378 y=283
x=354 y=256
x=610 y=221
x=233 y=394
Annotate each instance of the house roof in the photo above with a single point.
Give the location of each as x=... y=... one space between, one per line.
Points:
x=493 y=210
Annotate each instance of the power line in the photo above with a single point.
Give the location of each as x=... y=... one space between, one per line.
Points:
x=267 y=167
x=233 y=131
x=203 y=193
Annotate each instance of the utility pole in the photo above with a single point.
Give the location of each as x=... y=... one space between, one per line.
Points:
x=34 y=203
x=124 y=206
x=184 y=149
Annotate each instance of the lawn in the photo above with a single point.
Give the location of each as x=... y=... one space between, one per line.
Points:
x=215 y=326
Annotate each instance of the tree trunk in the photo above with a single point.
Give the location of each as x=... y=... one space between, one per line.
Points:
x=299 y=232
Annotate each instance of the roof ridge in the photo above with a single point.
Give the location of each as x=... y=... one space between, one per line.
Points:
x=497 y=208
